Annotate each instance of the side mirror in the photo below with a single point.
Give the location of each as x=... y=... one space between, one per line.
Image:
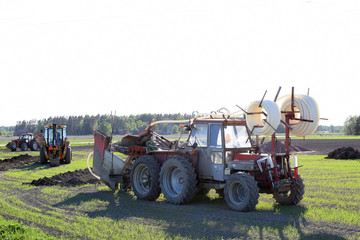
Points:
x=194 y=145
x=187 y=127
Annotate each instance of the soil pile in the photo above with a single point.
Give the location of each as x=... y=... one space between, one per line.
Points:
x=344 y=153
x=68 y=179
x=17 y=161
x=280 y=148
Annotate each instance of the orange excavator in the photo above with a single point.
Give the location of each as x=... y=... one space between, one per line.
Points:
x=55 y=148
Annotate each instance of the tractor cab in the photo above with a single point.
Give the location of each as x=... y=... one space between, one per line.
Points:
x=55 y=135
x=27 y=137
x=217 y=142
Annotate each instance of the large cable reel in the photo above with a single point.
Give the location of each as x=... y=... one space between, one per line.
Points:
x=304 y=111
x=263 y=117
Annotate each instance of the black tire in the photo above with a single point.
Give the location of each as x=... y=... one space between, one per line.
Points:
x=178 y=180
x=68 y=156
x=43 y=159
x=241 y=192
x=292 y=197
x=34 y=146
x=144 y=177
x=24 y=146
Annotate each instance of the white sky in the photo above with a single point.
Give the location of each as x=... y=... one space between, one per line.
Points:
x=62 y=58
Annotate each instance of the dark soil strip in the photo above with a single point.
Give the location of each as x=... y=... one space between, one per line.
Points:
x=68 y=179
x=17 y=161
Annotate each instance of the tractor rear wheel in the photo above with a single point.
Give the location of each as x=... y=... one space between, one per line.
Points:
x=178 y=180
x=24 y=146
x=241 y=192
x=68 y=156
x=293 y=196
x=34 y=146
x=145 y=178
x=43 y=159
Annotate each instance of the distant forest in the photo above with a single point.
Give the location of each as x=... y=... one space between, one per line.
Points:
x=133 y=124
x=85 y=125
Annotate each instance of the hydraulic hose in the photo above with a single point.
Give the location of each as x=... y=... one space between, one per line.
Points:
x=263 y=120
x=88 y=165
x=305 y=108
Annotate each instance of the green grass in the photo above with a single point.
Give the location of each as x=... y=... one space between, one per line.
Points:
x=332 y=196
x=12 y=230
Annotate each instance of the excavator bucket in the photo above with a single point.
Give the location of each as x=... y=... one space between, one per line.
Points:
x=104 y=161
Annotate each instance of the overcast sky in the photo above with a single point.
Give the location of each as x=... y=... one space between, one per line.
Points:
x=62 y=58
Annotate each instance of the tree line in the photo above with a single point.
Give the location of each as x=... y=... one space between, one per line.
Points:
x=352 y=125
x=85 y=125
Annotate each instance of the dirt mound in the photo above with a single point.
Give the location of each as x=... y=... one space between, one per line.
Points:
x=344 y=153
x=17 y=161
x=280 y=148
x=68 y=179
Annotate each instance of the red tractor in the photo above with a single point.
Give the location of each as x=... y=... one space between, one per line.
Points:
x=25 y=142
x=220 y=153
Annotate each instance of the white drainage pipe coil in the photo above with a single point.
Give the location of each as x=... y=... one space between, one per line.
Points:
x=259 y=122
x=305 y=107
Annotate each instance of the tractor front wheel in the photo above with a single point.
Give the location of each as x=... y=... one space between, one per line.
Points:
x=145 y=178
x=241 y=192
x=13 y=147
x=293 y=196
x=178 y=180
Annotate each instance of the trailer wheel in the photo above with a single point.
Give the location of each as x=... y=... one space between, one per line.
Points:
x=145 y=178
x=292 y=197
x=68 y=156
x=24 y=146
x=178 y=180
x=241 y=192
x=34 y=146
x=43 y=159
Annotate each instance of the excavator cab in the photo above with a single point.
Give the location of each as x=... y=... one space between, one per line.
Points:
x=55 y=147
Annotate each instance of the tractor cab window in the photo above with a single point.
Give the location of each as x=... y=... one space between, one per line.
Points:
x=199 y=135
x=64 y=133
x=215 y=136
x=236 y=137
x=49 y=136
x=59 y=136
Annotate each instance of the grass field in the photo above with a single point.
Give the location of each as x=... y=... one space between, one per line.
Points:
x=330 y=208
